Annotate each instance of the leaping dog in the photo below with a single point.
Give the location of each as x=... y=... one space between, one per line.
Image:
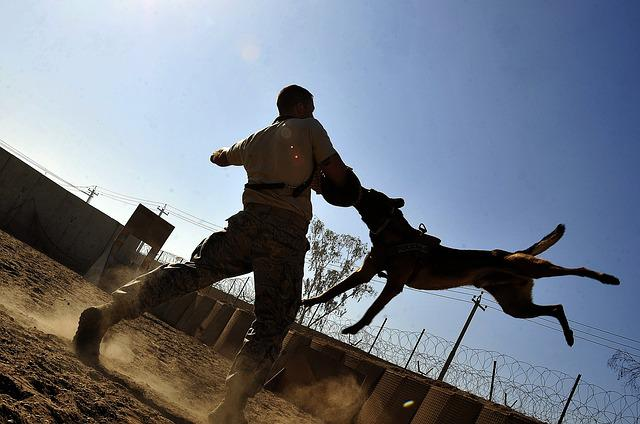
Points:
x=410 y=256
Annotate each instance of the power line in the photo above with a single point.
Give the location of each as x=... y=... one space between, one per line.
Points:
x=131 y=202
x=538 y=319
x=128 y=197
x=475 y=291
x=174 y=209
x=196 y=223
x=604 y=331
x=127 y=202
x=47 y=171
x=179 y=213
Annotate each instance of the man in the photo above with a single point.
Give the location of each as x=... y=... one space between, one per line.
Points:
x=267 y=237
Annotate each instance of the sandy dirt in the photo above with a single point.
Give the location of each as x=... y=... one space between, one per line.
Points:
x=152 y=373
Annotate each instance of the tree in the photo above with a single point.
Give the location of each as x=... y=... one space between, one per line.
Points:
x=627 y=367
x=333 y=257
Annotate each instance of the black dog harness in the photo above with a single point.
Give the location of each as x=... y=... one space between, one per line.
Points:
x=420 y=249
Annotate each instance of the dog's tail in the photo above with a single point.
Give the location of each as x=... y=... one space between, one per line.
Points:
x=548 y=241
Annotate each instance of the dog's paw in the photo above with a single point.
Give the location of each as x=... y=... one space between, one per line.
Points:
x=569 y=337
x=351 y=329
x=609 y=279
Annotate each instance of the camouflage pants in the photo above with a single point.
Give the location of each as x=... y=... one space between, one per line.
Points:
x=269 y=241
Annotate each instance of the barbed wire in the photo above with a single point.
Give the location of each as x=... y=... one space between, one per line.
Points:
x=533 y=390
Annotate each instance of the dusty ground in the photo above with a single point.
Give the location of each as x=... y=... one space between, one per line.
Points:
x=153 y=373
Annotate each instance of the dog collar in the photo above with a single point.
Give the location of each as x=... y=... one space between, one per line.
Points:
x=384 y=224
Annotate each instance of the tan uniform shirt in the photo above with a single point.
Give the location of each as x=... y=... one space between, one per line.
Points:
x=283 y=152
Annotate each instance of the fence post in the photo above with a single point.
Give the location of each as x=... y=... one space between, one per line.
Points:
x=315 y=311
x=377 y=335
x=228 y=292
x=241 y=291
x=476 y=304
x=493 y=377
x=566 y=405
x=414 y=349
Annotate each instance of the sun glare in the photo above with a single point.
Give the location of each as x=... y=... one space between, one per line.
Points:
x=250 y=52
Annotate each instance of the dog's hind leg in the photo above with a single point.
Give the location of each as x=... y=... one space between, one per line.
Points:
x=530 y=266
x=515 y=300
x=361 y=276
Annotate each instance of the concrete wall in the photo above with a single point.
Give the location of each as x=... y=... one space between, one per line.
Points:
x=42 y=214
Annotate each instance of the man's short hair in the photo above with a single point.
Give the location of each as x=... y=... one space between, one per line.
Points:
x=290 y=96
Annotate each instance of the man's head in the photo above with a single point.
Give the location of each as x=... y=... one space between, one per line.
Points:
x=295 y=101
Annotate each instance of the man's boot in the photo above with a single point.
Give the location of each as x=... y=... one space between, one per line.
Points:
x=93 y=324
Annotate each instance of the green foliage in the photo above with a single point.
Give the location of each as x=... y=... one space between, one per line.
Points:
x=332 y=258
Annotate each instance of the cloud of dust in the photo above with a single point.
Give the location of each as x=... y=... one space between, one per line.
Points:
x=334 y=400
x=124 y=354
x=117 y=353
x=59 y=318
x=117 y=276
x=117 y=348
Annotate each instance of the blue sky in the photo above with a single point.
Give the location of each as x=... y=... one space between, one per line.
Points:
x=495 y=120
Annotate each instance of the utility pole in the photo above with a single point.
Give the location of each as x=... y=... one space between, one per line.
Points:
x=91 y=193
x=476 y=304
x=162 y=210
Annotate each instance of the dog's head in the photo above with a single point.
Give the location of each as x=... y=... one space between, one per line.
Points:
x=377 y=209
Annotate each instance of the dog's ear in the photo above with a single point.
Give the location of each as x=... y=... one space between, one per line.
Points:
x=398 y=203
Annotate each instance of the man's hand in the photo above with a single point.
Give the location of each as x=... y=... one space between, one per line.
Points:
x=219 y=157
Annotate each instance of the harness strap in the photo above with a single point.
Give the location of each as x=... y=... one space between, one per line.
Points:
x=384 y=224
x=412 y=276
x=409 y=248
x=414 y=273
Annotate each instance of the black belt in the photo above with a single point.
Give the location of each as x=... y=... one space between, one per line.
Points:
x=297 y=191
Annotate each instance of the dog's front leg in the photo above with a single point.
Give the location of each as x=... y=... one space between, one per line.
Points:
x=361 y=276
x=391 y=290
